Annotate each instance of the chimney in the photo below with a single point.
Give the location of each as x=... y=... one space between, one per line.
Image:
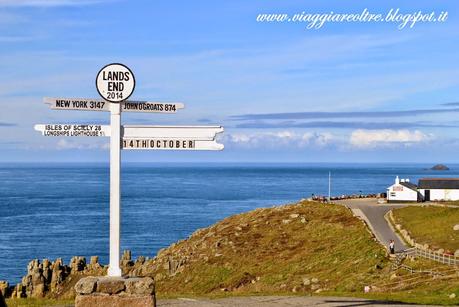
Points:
x=397 y=181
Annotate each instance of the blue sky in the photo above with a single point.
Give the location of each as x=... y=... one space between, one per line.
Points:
x=347 y=92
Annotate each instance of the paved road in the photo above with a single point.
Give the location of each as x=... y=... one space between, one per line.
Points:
x=275 y=301
x=373 y=213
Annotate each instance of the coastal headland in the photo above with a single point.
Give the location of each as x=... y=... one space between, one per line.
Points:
x=303 y=249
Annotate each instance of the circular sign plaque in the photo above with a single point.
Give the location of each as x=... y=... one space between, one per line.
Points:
x=115 y=82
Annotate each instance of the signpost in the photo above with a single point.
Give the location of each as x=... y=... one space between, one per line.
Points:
x=115 y=84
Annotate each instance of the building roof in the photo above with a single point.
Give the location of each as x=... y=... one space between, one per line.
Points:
x=409 y=185
x=439 y=183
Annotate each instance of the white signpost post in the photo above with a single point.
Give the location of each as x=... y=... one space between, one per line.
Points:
x=116 y=83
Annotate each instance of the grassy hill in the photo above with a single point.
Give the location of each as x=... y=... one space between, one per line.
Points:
x=303 y=248
x=430 y=225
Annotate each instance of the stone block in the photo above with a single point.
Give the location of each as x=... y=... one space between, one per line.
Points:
x=115 y=292
x=86 y=285
x=110 y=285
x=141 y=286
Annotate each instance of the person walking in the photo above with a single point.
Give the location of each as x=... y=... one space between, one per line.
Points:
x=392 y=247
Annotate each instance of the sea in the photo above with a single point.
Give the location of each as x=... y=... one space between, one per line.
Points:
x=62 y=210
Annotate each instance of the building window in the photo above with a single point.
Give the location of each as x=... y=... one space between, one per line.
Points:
x=393 y=194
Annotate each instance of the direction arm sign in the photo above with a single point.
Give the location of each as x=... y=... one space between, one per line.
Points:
x=174 y=132
x=170 y=144
x=171 y=137
x=73 y=130
x=151 y=106
x=82 y=104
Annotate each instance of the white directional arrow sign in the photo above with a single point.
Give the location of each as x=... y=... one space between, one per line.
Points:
x=171 y=137
x=81 y=104
x=85 y=104
x=184 y=132
x=73 y=130
x=170 y=144
x=150 y=106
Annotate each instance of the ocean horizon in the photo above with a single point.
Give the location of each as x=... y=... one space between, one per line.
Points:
x=60 y=210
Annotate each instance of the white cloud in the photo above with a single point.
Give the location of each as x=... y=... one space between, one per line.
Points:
x=279 y=139
x=320 y=139
x=48 y=3
x=386 y=137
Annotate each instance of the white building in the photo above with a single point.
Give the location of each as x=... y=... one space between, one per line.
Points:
x=437 y=189
x=428 y=189
x=403 y=191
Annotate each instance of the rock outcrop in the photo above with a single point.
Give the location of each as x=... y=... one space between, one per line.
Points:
x=2 y=300
x=440 y=167
x=56 y=279
x=4 y=288
x=47 y=278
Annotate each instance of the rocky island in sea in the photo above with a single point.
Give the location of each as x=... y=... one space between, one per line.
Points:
x=439 y=167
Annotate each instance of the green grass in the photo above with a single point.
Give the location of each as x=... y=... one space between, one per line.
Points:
x=430 y=225
x=35 y=302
